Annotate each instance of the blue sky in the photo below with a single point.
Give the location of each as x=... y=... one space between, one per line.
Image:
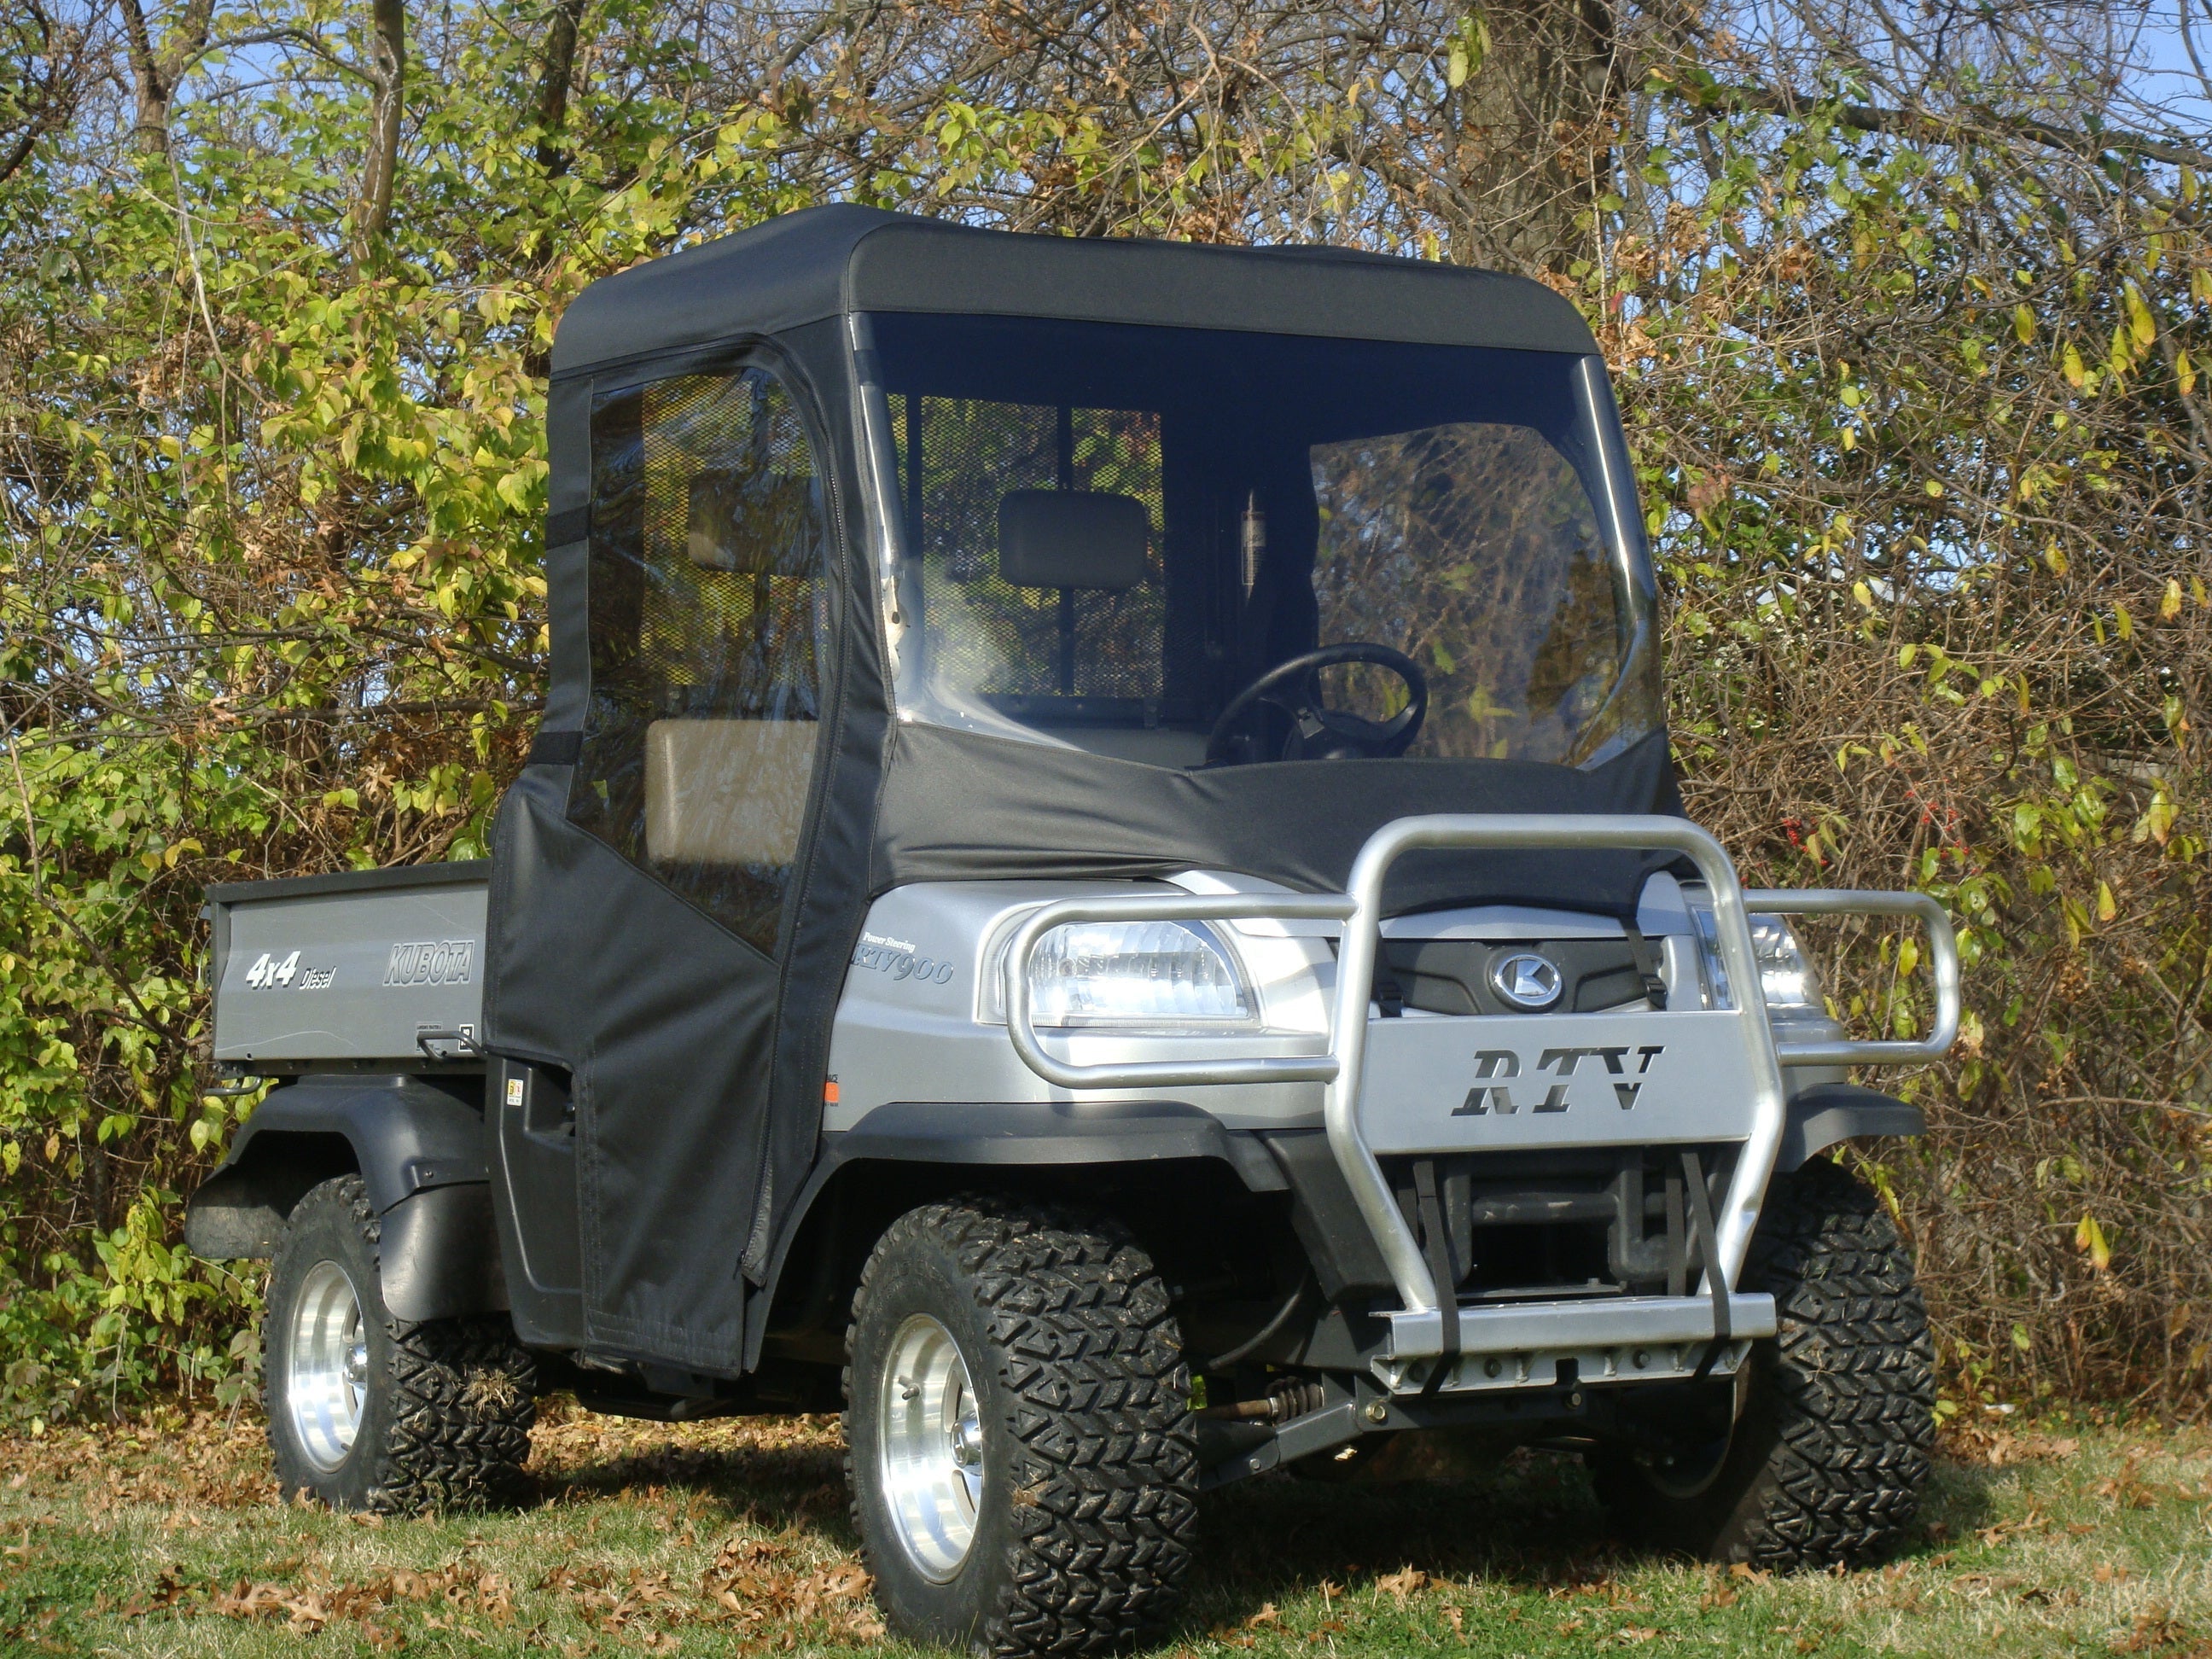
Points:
x=2173 y=79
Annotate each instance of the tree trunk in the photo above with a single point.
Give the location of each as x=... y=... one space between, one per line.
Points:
x=387 y=68
x=157 y=64
x=560 y=66
x=1535 y=128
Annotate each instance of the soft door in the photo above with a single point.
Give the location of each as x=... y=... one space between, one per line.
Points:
x=657 y=891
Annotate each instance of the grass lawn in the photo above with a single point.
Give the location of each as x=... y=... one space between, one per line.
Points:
x=2076 y=1536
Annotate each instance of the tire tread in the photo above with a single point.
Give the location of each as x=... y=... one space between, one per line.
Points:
x=1092 y=1359
x=464 y=1396
x=1854 y=1372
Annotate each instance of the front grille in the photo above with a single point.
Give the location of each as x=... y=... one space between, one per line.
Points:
x=1452 y=975
x=1600 y=1221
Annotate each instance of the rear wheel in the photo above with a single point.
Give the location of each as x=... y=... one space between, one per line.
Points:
x=367 y=1412
x=1017 y=1430
x=1824 y=1464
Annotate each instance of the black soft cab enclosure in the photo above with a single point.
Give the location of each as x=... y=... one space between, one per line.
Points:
x=720 y=788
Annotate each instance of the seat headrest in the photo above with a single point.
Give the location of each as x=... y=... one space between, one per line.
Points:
x=1072 y=538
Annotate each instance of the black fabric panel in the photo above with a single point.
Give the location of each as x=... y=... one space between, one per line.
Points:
x=806 y=266
x=778 y=275
x=555 y=749
x=829 y=889
x=959 y=806
x=666 y=1020
x=567 y=523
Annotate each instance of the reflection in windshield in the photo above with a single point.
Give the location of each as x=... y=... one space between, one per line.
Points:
x=1474 y=549
x=1106 y=532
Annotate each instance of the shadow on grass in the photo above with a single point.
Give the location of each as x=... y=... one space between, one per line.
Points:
x=1526 y=1520
x=1453 y=1509
x=778 y=1487
x=1959 y=1501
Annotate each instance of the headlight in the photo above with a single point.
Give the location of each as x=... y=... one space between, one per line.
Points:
x=1786 y=978
x=1161 y=975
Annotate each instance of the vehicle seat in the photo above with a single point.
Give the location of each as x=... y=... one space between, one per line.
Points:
x=1072 y=538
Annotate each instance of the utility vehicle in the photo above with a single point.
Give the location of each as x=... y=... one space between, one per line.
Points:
x=1100 y=889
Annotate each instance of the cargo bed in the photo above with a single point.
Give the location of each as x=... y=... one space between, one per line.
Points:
x=381 y=967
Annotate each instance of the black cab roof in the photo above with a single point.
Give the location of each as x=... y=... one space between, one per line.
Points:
x=825 y=262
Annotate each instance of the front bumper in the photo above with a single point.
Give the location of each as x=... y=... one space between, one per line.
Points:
x=1440 y=1086
x=1528 y=1344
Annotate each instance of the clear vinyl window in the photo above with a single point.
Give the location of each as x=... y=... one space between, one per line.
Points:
x=1107 y=532
x=1474 y=549
x=708 y=616
x=1043 y=647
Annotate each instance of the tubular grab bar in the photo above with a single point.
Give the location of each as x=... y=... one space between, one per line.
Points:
x=1943 y=965
x=1360 y=908
x=1161 y=1073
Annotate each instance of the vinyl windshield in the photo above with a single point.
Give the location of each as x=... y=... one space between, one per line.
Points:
x=1250 y=497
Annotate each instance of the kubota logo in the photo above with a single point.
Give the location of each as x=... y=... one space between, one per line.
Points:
x=1493 y=1067
x=433 y=962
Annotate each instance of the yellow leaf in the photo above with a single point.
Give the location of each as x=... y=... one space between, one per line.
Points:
x=1933 y=487
x=2170 y=606
x=1850 y=438
x=2071 y=365
x=2055 y=559
x=2123 y=620
x=2023 y=324
x=2090 y=1237
x=1908 y=957
x=2107 y=906
x=2139 y=318
x=2184 y=373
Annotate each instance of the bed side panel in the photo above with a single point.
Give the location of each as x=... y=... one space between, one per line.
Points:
x=349 y=974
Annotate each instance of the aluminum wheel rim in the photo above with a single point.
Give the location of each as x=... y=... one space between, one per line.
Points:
x=929 y=1447
x=326 y=1365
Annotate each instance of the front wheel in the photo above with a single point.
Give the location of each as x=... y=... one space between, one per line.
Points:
x=1017 y=1430
x=367 y=1412
x=1824 y=1463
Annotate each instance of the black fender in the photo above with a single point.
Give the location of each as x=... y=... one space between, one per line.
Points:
x=418 y=1146
x=1055 y=1132
x=1034 y=1135
x=1828 y=1113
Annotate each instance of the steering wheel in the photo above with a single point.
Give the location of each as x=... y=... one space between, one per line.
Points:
x=1319 y=732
